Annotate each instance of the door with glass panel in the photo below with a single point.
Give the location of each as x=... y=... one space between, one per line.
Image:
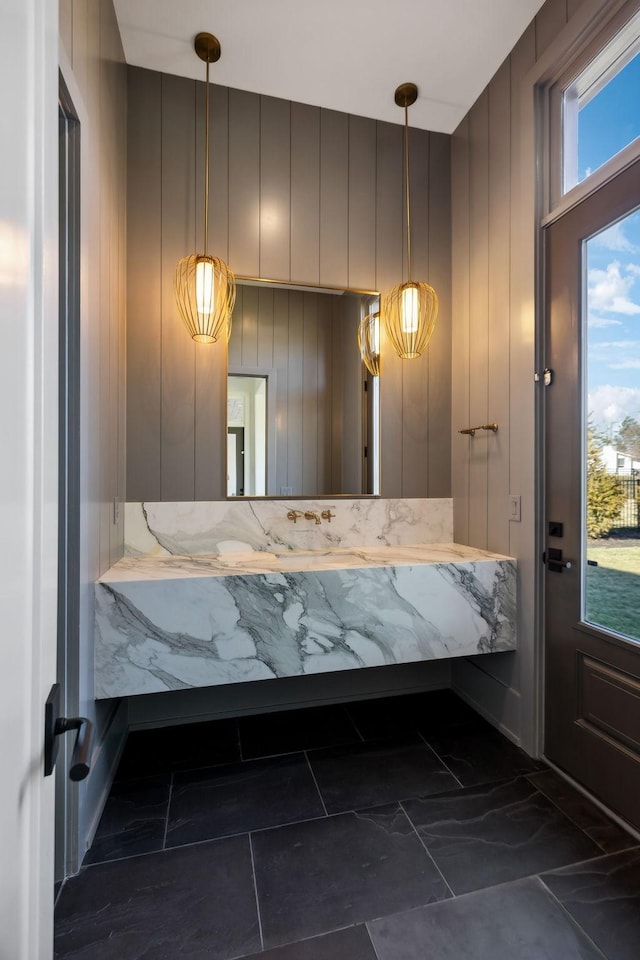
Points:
x=592 y=413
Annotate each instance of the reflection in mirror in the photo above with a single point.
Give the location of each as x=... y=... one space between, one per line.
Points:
x=302 y=409
x=246 y=436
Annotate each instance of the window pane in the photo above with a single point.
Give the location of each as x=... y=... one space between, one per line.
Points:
x=609 y=121
x=612 y=430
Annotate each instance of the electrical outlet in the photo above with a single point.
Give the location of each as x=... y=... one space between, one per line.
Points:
x=514 y=508
x=286 y=491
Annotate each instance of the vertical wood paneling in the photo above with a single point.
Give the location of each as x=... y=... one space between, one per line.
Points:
x=362 y=202
x=344 y=224
x=460 y=269
x=275 y=188
x=438 y=452
x=499 y=291
x=334 y=198
x=305 y=193
x=309 y=395
x=65 y=21
x=210 y=360
x=325 y=381
x=281 y=364
x=389 y=245
x=415 y=373
x=249 y=356
x=144 y=335
x=479 y=319
x=265 y=328
x=549 y=21
x=177 y=466
x=100 y=95
x=244 y=183
x=80 y=42
x=521 y=473
x=218 y=169
x=295 y=364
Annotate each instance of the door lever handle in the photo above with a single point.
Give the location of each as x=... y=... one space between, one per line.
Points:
x=553 y=559
x=55 y=726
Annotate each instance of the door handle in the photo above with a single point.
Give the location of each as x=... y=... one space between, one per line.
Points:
x=55 y=726
x=553 y=559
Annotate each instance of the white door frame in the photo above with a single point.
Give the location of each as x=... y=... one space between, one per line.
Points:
x=29 y=472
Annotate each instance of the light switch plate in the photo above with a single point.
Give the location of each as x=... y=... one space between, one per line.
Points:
x=514 y=508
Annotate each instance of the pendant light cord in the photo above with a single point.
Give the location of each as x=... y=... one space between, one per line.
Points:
x=406 y=188
x=206 y=165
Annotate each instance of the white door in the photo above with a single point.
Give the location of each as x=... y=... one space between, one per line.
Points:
x=28 y=467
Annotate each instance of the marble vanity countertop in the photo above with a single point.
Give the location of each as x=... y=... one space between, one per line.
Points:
x=135 y=569
x=174 y=622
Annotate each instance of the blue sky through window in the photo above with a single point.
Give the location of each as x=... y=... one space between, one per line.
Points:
x=607 y=124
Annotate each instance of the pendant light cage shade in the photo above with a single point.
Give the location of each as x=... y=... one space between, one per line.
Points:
x=409 y=313
x=369 y=342
x=205 y=292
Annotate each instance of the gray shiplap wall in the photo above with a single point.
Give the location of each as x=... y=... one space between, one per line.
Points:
x=494 y=355
x=300 y=194
x=92 y=63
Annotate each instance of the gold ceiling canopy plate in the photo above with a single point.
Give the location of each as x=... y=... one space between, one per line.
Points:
x=204 y=286
x=207 y=47
x=409 y=311
x=406 y=94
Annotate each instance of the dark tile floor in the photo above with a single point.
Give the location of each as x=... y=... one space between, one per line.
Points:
x=397 y=829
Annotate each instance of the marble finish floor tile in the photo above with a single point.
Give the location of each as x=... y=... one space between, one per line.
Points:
x=517 y=921
x=162 y=906
x=376 y=772
x=486 y=835
x=479 y=753
x=181 y=747
x=239 y=797
x=394 y=716
x=327 y=874
x=603 y=896
x=353 y=943
x=595 y=823
x=133 y=821
x=290 y=731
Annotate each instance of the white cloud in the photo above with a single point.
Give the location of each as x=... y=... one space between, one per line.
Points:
x=614 y=238
x=609 y=290
x=599 y=322
x=629 y=364
x=609 y=405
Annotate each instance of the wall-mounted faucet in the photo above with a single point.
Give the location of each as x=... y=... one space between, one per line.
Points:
x=310 y=515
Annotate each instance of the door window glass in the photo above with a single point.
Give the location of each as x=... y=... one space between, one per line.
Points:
x=612 y=428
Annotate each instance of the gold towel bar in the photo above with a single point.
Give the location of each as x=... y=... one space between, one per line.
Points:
x=483 y=426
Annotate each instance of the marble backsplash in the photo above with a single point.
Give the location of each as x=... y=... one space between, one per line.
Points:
x=237 y=526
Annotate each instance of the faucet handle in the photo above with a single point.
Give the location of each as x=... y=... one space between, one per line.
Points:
x=294 y=514
x=326 y=515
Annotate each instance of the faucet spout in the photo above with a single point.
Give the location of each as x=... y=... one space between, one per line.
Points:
x=312 y=515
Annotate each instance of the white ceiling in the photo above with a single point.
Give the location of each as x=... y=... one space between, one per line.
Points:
x=347 y=55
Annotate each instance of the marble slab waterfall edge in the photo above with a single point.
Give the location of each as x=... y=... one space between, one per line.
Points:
x=212 y=527
x=205 y=626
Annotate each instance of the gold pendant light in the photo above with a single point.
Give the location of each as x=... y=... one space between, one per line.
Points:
x=410 y=310
x=204 y=286
x=369 y=343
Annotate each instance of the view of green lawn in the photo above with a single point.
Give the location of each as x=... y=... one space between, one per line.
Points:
x=613 y=588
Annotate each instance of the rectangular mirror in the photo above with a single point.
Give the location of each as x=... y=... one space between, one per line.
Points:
x=302 y=409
